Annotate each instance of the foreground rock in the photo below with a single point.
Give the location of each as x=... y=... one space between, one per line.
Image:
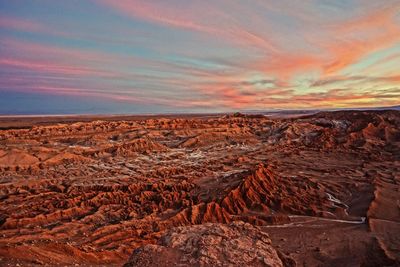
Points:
x=236 y=244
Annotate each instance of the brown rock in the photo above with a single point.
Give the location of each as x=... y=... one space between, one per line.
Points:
x=236 y=244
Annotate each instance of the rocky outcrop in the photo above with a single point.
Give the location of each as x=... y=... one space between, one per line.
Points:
x=236 y=244
x=384 y=215
x=140 y=145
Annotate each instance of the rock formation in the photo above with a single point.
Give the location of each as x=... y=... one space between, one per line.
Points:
x=324 y=186
x=236 y=244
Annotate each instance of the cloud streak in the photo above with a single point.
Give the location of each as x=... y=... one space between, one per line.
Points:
x=211 y=55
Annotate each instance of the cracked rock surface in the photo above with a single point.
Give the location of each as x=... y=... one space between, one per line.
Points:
x=211 y=244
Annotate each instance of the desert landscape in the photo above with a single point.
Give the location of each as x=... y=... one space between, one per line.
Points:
x=219 y=190
x=200 y=133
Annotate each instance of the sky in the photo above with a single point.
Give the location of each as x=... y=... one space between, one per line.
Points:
x=155 y=56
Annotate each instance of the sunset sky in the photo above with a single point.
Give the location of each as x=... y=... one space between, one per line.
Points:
x=128 y=56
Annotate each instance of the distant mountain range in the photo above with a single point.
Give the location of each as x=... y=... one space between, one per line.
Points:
x=308 y=111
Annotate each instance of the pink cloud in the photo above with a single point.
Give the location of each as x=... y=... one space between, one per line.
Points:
x=147 y=11
x=379 y=30
x=21 y=24
x=196 y=21
x=52 y=68
x=261 y=51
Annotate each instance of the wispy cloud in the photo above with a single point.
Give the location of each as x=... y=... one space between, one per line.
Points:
x=211 y=54
x=363 y=79
x=356 y=38
x=12 y=23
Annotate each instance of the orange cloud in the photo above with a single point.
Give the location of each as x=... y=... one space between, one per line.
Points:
x=379 y=30
x=190 y=79
x=341 y=50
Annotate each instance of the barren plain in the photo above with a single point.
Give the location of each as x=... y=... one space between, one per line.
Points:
x=224 y=190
